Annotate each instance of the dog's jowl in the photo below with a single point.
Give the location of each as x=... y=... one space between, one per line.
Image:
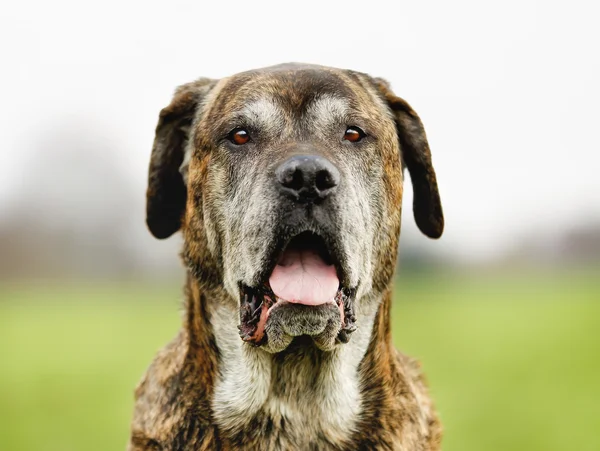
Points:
x=286 y=183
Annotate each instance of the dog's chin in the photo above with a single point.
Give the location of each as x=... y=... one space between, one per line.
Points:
x=287 y=321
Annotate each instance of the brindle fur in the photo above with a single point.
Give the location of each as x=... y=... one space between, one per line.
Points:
x=208 y=389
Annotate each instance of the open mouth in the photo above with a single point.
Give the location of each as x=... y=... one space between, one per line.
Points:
x=304 y=275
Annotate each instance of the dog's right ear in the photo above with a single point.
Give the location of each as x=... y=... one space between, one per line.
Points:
x=167 y=190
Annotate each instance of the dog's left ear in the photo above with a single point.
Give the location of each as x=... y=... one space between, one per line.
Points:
x=167 y=191
x=427 y=207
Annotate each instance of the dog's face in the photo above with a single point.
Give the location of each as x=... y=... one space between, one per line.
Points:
x=287 y=183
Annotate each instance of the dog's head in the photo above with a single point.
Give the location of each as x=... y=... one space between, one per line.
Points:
x=287 y=185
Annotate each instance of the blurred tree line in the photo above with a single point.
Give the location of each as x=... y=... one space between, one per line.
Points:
x=76 y=214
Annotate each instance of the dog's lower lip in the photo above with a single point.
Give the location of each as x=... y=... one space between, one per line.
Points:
x=257 y=303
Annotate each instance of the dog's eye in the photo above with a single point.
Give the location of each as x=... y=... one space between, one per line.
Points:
x=239 y=136
x=354 y=134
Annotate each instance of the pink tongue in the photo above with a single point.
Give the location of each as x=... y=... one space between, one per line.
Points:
x=303 y=277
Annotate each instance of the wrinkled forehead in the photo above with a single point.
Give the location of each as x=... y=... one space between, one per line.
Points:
x=267 y=98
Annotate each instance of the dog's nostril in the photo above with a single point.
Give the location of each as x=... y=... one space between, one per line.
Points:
x=325 y=180
x=292 y=178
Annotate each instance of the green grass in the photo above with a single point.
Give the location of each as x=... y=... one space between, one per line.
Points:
x=513 y=362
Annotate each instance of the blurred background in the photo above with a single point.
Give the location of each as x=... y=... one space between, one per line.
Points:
x=503 y=311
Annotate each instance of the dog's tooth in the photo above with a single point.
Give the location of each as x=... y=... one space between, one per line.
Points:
x=255 y=304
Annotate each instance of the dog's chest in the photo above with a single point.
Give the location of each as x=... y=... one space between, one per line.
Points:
x=282 y=425
x=291 y=406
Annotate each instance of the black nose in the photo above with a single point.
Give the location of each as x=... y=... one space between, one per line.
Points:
x=307 y=178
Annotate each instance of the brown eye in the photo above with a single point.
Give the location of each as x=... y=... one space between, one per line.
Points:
x=354 y=134
x=239 y=136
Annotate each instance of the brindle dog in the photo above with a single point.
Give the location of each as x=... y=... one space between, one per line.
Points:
x=286 y=183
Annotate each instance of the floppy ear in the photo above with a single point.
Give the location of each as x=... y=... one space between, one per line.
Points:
x=427 y=207
x=167 y=191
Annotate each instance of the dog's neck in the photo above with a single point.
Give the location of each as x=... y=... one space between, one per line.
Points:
x=297 y=394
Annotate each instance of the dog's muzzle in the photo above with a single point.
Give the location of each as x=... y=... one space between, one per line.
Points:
x=300 y=293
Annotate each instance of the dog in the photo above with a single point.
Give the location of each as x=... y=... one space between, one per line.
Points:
x=286 y=183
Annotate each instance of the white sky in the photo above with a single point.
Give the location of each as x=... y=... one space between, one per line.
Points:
x=508 y=92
